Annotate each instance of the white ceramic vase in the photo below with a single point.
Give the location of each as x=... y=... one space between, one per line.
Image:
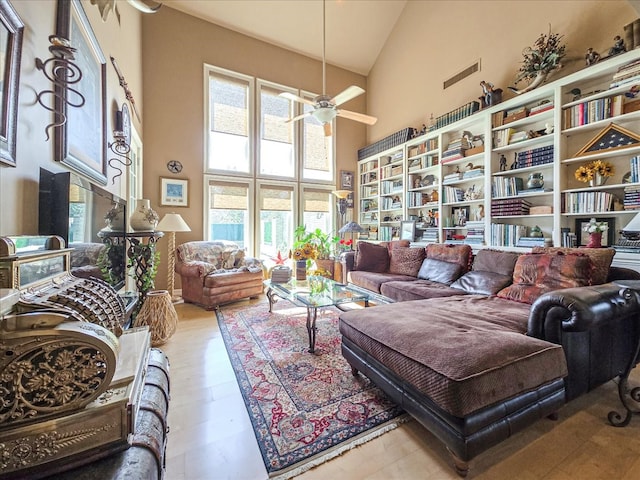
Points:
x=144 y=218
x=115 y=220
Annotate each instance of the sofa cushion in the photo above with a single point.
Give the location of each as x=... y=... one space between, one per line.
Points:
x=406 y=260
x=497 y=261
x=402 y=291
x=371 y=257
x=482 y=283
x=374 y=280
x=601 y=258
x=538 y=273
x=460 y=254
x=439 y=271
x=461 y=362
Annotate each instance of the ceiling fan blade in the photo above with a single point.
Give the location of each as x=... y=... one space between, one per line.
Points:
x=347 y=94
x=358 y=117
x=295 y=98
x=327 y=129
x=299 y=117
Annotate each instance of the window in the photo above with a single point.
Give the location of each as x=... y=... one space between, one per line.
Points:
x=276 y=135
x=229 y=125
x=316 y=209
x=276 y=211
x=317 y=149
x=228 y=213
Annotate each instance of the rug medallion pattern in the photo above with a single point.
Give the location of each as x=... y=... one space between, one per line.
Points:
x=300 y=404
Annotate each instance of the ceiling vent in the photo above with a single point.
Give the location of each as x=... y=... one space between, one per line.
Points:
x=463 y=74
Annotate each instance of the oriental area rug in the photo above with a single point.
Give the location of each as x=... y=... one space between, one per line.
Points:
x=305 y=408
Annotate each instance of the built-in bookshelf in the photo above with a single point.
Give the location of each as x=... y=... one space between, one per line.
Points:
x=506 y=174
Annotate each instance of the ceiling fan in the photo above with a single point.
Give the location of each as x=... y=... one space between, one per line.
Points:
x=325 y=108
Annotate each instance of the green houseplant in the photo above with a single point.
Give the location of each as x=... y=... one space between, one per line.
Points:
x=324 y=242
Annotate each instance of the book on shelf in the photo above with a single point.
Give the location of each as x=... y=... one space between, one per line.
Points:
x=543 y=107
x=531 y=242
x=533 y=191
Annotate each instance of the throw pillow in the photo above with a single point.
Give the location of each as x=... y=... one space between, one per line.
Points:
x=406 y=260
x=482 y=283
x=439 y=271
x=497 y=261
x=601 y=258
x=445 y=252
x=539 y=273
x=371 y=257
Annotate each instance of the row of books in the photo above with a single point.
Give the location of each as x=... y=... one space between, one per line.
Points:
x=455 y=115
x=452 y=194
x=535 y=156
x=631 y=198
x=423 y=147
x=386 y=234
x=418 y=199
x=506 y=235
x=421 y=163
x=369 y=191
x=393 y=140
x=569 y=239
x=635 y=169
x=506 y=186
x=501 y=137
x=510 y=206
x=588 y=202
x=390 y=171
x=369 y=177
x=391 y=203
x=390 y=187
x=593 y=111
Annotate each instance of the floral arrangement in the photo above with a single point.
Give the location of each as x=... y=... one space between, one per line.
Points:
x=543 y=57
x=596 y=227
x=307 y=251
x=587 y=172
x=345 y=245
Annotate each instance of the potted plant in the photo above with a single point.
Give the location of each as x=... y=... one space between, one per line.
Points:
x=324 y=245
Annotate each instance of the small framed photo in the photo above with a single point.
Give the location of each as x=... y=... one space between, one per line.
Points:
x=350 y=201
x=408 y=230
x=582 y=236
x=460 y=216
x=346 y=180
x=174 y=192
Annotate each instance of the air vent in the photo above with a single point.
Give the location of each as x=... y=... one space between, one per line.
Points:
x=463 y=74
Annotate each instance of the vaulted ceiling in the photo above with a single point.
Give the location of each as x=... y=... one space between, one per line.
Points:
x=356 y=30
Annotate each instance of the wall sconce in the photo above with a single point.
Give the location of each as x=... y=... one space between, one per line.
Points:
x=342 y=203
x=121 y=145
x=62 y=73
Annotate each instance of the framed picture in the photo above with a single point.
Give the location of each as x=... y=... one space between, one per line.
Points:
x=11 y=34
x=174 y=192
x=408 y=230
x=80 y=142
x=346 y=180
x=582 y=237
x=460 y=216
x=350 y=201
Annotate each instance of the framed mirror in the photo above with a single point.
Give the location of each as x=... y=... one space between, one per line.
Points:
x=11 y=33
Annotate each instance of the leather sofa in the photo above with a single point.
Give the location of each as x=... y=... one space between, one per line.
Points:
x=478 y=348
x=217 y=272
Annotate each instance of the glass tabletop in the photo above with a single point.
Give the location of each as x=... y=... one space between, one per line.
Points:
x=316 y=292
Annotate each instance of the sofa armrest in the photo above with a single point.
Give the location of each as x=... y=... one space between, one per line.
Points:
x=580 y=309
x=622 y=273
x=194 y=268
x=347 y=261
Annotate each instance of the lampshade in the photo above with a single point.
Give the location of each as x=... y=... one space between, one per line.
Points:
x=173 y=222
x=351 y=227
x=342 y=194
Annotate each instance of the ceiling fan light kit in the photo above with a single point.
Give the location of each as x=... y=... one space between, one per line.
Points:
x=325 y=108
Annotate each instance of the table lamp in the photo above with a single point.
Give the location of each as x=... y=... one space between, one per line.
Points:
x=351 y=227
x=172 y=223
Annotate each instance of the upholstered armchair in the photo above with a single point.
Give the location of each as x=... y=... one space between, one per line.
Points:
x=217 y=272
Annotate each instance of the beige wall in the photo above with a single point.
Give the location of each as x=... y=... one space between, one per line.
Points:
x=176 y=48
x=434 y=40
x=19 y=186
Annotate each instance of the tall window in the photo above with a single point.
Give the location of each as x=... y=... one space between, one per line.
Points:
x=228 y=216
x=277 y=174
x=229 y=129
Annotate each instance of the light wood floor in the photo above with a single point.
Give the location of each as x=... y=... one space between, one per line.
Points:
x=211 y=436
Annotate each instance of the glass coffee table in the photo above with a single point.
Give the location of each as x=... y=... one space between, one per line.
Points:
x=331 y=294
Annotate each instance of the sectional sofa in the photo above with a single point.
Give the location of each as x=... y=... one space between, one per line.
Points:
x=478 y=347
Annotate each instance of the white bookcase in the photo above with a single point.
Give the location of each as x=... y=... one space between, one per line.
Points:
x=492 y=194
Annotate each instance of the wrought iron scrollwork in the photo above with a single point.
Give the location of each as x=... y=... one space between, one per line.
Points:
x=63 y=72
x=119 y=147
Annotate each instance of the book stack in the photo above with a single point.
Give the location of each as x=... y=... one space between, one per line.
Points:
x=518 y=137
x=430 y=234
x=542 y=107
x=506 y=235
x=475 y=233
x=509 y=207
x=473 y=173
x=280 y=274
x=506 y=186
x=626 y=74
x=588 y=202
x=515 y=114
x=455 y=150
x=531 y=242
x=452 y=177
x=535 y=156
x=631 y=198
x=593 y=111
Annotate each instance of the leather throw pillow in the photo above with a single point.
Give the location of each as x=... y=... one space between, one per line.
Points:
x=439 y=271
x=371 y=257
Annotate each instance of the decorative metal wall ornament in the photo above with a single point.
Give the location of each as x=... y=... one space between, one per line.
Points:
x=125 y=87
x=121 y=145
x=63 y=72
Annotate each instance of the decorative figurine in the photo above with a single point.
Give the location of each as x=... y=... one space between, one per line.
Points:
x=618 y=46
x=536 y=232
x=514 y=165
x=490 y=95
x=503 y=163
x=591 y=57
